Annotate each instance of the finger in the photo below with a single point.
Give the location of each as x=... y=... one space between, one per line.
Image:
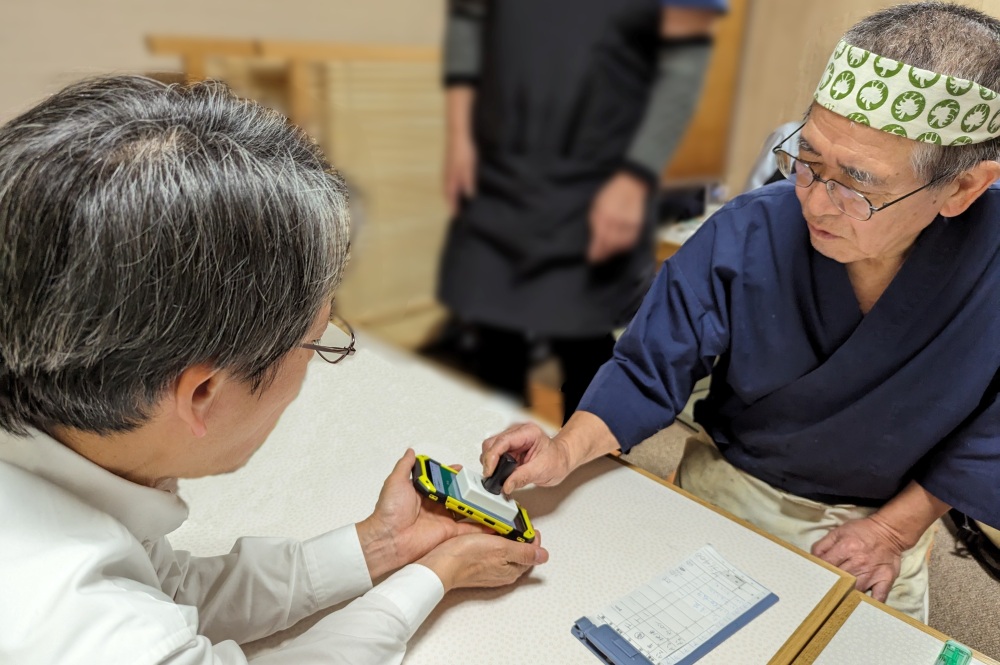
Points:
x=489 y=457
x=609 y=240
x=631 y=238
x=823 y=545
x=404 y=465
x=881 y=589
x=453 y=188
x=836 y=556
x=614 y=247
x=492 y=441
x=469 y=181
x=599 y=240
x=863 y=580
x=836 y=552
x=524 y=554
x=595 y=251
x=625 y=238
x=596 y=224
x=523 y=475
x=512 y=440
x=487 y=444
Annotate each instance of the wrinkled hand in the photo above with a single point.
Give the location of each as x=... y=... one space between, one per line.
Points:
x=404 y=527
x=616 y=217
x=459 y=171
x=483 y=560
x=867 y=548
x=541 y=460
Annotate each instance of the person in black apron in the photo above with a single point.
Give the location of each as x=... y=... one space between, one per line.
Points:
x=561 y=116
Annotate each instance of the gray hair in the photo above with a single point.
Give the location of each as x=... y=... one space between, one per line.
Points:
x=145 y=229
x=951 y=40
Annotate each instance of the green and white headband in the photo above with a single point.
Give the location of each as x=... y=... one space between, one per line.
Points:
x=907 y=101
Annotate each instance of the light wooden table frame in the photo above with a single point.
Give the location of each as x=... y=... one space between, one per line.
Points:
x=301 y=57
x=832 y=626
x=304 y=57
x=195 y=51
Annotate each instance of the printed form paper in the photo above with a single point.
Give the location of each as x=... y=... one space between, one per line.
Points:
x=683 y=613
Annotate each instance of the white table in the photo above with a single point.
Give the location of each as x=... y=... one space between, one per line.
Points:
x=866 y=632
x=609 y=527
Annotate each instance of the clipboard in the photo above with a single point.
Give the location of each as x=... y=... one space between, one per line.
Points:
x=677 y=617
x=605 y=643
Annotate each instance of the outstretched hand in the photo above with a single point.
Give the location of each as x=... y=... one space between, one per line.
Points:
x=404 y=527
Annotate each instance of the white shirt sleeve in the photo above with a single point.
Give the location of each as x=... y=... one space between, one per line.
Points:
x=264 y=584
x=372 y=630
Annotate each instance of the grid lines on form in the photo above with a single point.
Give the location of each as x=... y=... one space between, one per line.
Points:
x=681 y=609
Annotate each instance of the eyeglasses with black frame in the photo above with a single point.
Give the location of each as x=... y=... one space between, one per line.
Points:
x=848 y=201
x=334 y=354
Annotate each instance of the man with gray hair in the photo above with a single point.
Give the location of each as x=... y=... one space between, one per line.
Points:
x=848 y=317
x=168 y=258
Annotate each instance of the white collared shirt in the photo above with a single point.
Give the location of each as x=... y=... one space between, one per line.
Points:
x=87 y=576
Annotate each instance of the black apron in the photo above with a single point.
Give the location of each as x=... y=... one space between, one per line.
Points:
x=563 y=89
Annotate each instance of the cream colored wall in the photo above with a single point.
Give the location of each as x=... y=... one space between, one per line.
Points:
x=46 y=43
x=788 y=43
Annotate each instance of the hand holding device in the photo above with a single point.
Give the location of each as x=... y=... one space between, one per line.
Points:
x=403 y=528
x=482 y=560
x=463 y=492
x=548 y=462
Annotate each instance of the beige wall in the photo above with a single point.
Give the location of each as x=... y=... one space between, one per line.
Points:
x=788 y=43
x=47 y=43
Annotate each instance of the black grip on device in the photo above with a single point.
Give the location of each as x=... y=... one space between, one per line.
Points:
x=505 y=466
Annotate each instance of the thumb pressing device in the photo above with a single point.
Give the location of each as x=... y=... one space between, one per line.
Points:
x=470 y=495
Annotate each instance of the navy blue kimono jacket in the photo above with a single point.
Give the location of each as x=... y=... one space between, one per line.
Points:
x=808 y=394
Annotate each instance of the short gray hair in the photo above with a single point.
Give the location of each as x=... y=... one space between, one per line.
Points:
x=147 y=228
x=951 y=40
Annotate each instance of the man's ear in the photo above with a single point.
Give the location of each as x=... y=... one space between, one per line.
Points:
x=195 y=390
x=969 y=187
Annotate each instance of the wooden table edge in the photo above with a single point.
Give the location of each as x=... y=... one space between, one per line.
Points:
x=826 y=632
x=816 y=619
x=847 y=608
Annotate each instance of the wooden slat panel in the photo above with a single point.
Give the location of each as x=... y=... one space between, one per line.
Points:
x=383 y=126
x=702 y=153
x=323 y=52
x=176 y=45
x=194 y=51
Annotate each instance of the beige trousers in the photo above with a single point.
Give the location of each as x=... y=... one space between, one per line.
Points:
x=801 y=522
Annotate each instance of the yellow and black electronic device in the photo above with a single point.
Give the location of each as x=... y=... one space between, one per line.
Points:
x=444 y=485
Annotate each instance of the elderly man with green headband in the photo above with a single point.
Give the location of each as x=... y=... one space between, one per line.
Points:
x=849 y=317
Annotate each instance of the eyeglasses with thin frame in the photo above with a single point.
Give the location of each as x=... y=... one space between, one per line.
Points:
x=334 y=354
x=848 y=201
